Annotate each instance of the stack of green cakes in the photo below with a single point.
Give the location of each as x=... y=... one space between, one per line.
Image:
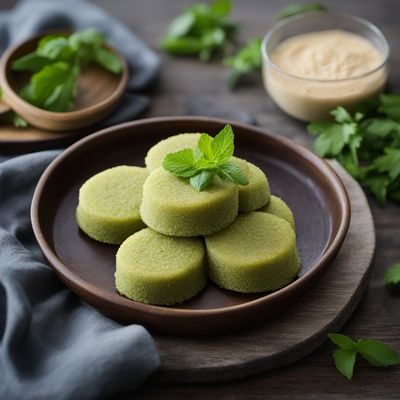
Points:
x=178 y=228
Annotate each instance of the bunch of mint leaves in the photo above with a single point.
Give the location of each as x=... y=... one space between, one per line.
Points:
x=376 y=353
x=211 y=156
x=201 y=30
x=56 y=64
x=366 y=143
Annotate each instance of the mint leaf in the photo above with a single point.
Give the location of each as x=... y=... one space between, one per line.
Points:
x=377 y=353
x=57 y=49
x=222 y=145
x=342 y=341
x=181 y=25
x=30 y=62
x=53 y=88
x=295 y=9
x=392 y=275
x=221 y=8
x=63 y=96
x=181 y=163
x=344 y=362
x=204 y=146
x=87 y=37
x=231 y=171
x=202 y=180
x=108 y=60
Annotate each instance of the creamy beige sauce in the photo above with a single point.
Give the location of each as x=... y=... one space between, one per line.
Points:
x=328 y=68
x=327 y=55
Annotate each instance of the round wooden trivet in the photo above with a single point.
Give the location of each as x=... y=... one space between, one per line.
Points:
x=300 y=330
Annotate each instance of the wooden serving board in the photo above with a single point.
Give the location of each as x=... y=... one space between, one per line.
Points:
x=299 y=331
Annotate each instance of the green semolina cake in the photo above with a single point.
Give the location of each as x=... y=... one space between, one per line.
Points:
x=256 y=194
x=173 y=207
x=155 y=156
x=109 y=202
x=278 y=207
x=156 y=269
x=256 y=253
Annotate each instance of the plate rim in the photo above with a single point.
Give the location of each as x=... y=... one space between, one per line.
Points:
x=76 y=282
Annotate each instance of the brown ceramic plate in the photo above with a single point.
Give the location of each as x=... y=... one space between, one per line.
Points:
x=98 y=92
x=310 y=187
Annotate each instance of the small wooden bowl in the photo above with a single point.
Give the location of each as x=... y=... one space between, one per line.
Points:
x=98 y=92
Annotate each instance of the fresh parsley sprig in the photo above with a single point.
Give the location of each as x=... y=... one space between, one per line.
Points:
x=56 y=64
x=246 y=60
x=376 y=353
x=211 y=156
x=366 y=143
x=201 y=30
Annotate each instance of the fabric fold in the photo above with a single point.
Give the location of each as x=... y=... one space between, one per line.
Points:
x=52 y=344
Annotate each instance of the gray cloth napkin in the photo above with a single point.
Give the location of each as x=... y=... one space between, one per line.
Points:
x=30 y=17
x=53 y=345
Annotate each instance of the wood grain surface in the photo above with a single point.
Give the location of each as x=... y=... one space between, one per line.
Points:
x=378 y=314
x=295 y=333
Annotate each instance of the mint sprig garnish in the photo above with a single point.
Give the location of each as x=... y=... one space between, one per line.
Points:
x=211 y=156
x=376 y=353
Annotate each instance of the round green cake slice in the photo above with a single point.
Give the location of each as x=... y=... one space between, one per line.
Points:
x=278 y=207
x=172 y=206
x=155 y=156
x=109 y=202
x=256 y=253
x=156 y=269
x=256 y=194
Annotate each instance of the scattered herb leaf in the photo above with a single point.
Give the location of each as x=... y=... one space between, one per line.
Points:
x=376 y=353
x=345 y=361
x=211 y=156
x=392 y=275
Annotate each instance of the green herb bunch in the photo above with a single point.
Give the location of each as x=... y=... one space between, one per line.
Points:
x=201 y=30
x=366 y=143
x=56 y=64
x=211 y=156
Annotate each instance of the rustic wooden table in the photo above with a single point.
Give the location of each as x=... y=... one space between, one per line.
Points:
x=378 y=315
